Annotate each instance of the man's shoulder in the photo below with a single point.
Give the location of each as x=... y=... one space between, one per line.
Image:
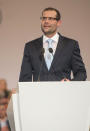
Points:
x=69 y=39
x=33 y=42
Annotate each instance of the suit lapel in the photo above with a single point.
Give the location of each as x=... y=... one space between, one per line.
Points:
x=39 y=48
x=58 y=51
x=39 y=44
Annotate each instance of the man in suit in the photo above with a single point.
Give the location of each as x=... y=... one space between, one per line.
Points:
x=52 y=57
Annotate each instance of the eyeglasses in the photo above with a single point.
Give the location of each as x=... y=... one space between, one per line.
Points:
x=49 y=18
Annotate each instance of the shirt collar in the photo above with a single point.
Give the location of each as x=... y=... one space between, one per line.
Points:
x=54 y=38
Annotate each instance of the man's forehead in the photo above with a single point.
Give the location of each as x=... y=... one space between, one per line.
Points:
x=49 y=13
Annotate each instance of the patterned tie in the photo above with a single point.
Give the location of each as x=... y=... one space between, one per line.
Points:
x=49 y=56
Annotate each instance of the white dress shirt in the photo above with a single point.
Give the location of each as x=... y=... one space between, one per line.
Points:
x=55 y=39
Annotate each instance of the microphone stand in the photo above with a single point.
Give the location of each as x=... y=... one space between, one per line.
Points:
x=42 y=59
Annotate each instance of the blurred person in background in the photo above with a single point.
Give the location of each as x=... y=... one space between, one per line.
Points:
x=5 y=96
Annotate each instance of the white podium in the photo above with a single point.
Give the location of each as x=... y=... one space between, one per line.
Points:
x=52 y=106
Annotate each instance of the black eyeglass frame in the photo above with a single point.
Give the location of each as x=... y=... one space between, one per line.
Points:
x=49 y=18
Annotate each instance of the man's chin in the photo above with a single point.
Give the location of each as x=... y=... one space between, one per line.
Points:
x=47 y=32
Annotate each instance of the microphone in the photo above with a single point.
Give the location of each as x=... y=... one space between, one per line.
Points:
x=41 y=58
x=51 y=51
x=42 y=54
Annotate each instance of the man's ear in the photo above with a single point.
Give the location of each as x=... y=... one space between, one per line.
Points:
x=59 y=23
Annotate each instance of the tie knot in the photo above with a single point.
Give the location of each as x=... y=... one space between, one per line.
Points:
x=49 y=43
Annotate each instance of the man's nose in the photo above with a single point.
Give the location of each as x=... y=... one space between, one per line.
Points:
x=46 y=20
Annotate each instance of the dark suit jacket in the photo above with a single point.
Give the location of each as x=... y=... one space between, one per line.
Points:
x=67 y=58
